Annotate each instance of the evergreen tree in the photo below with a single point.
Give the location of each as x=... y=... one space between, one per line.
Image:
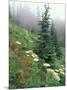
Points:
x=48 y=48
x=44 y=35
x=54 y=41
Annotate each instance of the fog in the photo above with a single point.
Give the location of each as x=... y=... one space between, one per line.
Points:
x=28 y=14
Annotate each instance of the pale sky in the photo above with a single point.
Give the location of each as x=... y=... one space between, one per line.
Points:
x=57 y=11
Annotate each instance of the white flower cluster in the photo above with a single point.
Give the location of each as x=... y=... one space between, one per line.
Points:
x=29 y=51
x=56 y=70
x=60 y=70
x=34 y=56
x=36 y=59
x=53 y=74
x=46 y=65
x=17 y=42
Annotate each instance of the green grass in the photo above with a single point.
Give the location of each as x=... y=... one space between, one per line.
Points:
x=23 y=70
x=21 y=34
x=27 y=40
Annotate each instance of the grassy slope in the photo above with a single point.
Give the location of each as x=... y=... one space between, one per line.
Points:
x=23 y=71
x=21 y=34
x=19 y=63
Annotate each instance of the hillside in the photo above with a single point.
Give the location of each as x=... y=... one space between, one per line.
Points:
x=24 y=63
x=21 y=44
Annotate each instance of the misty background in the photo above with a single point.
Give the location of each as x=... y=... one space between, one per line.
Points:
x=28 y=15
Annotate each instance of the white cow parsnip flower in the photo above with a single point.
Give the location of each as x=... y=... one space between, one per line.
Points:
x=46 y=65
x=36 y=59
x=29 y=51
x=62 y=73
x=34 y=55
x=17 y=42
x=53 y=74
x=56 y=70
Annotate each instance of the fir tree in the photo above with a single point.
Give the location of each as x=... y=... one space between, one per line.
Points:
x=48 y=48
x=54 y=41
x=44 y=35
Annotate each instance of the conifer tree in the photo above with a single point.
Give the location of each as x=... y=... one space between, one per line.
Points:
x=47 y=41
x=54 y=41
x=44 y=35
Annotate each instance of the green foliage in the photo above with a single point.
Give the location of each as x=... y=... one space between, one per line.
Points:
x=27 y=38
x=52 y=78
x=28 y=69
x=43 y=42
x=49 y=51
x=46 y=48
x=34 y=79
x=21 y=63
